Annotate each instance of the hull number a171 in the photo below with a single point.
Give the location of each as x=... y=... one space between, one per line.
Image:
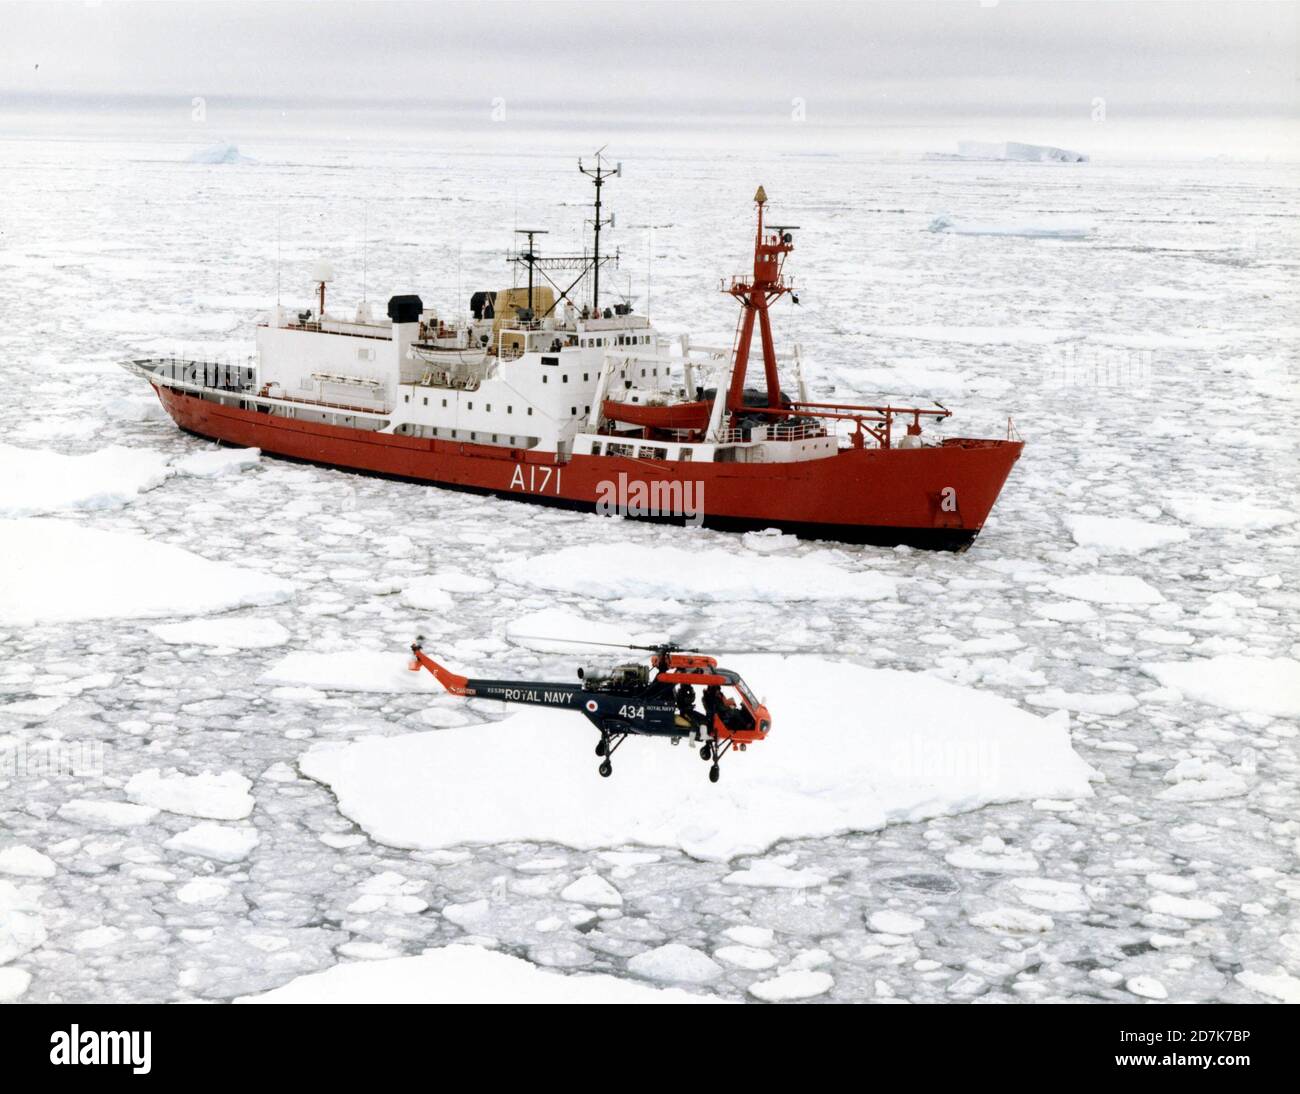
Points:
x=536 y=479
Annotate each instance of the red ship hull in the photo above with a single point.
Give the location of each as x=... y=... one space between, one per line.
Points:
x=934 y=497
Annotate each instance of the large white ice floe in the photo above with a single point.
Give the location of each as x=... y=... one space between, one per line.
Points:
x=1259 y=685
x=852 y=749
x=36 y=480
x=1229 y=514
x=234 y=633
x=614 y=570
x=58 y=572
x=216 y=796
x=464 y=974
x=1107 y=589
x=1123 y=535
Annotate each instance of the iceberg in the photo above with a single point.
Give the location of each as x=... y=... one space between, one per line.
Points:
x=1017 y=151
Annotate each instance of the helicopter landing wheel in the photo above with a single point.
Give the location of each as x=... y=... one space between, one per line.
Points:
x=600 y=748
x=606 y=769
x=706 y=752
x=714 y=773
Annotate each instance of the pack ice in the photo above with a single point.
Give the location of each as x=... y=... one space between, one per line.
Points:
x=853 y=749
x=58 y=572
x=464 y=974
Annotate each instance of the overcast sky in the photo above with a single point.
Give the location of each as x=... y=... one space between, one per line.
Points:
x=903 y=59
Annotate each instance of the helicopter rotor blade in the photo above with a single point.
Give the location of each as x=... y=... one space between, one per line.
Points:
x=594 y=642
x=672 y=647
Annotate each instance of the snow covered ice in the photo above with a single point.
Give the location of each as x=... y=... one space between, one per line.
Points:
x=202 y=631
x=931 y=748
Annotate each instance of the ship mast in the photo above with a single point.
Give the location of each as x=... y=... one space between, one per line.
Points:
x=598 y=175
x=755 y=294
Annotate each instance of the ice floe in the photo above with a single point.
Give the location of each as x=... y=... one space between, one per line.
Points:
x=214 y=462
x=1263 y=685
x=106 y=814
x=1123 y=535
x=58 y=572
x=1280 y=985
x=37 y=481
x=464 y=974
x=22 y=861
x=927 y=748
x=792 y=986
x=233 y=633
x=614 y=570
x=21 y=926
x=1107 y=589
x=218 y=796
x=1197 y=780
x=675 y=963
x=219 y=842
x=1237 y=516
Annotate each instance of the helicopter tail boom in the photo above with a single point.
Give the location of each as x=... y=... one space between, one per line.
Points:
x=457 y=685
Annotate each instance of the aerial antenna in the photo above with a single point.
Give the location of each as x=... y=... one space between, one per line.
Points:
x=649 y=261
x=277 y=263
x=530 y=259
x=598 y=175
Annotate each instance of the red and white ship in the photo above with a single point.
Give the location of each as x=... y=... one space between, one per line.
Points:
x=545 y=398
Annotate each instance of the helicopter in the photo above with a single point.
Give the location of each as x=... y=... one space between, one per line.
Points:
x=657 y=699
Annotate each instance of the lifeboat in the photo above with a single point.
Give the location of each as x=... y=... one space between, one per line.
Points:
x=684 y=415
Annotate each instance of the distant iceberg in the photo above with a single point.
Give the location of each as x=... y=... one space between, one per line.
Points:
x=1014 y=150
x=220 y=153
x=1028 y=230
